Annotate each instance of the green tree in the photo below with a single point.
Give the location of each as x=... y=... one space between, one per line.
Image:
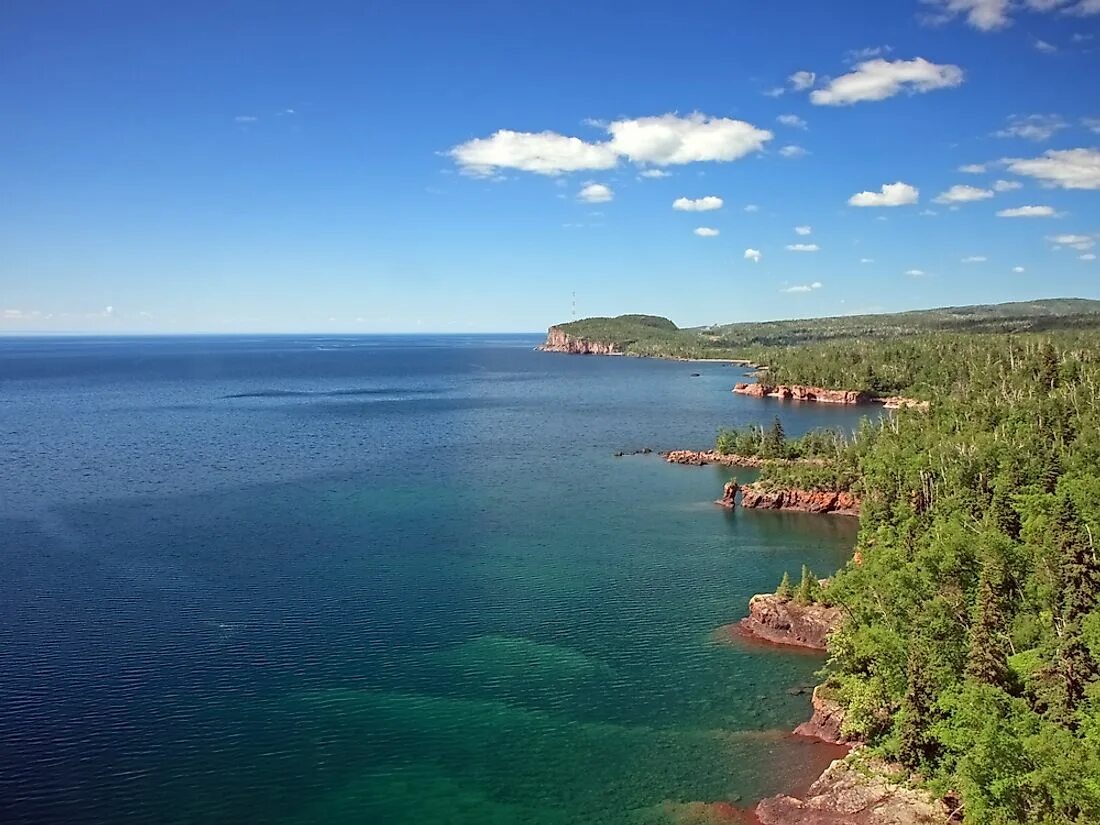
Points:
x=917 y=746
x=1077 y=597
x=987 y=660
x=808 y=587
x=775 y=440
x=785 y=591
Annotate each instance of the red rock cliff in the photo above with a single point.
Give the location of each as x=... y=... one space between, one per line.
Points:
x=559 y=341
x=827 y=719
x=786 y=622
x=798 y=392
x=806 y=501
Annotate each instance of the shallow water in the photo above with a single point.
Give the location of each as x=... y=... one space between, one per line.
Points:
x=383 y=580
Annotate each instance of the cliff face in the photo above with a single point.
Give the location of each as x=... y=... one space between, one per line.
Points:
x=786 y=622
x=559 y=341
x=807 y=501
x=798 y=392
x=826 y=721
x=847 y=794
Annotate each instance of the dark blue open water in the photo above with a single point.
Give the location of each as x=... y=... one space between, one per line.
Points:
x=381 y=580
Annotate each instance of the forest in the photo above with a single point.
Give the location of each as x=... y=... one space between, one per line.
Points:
x=970 y=652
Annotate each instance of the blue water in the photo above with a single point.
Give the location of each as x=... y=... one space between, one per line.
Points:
x=382 y=580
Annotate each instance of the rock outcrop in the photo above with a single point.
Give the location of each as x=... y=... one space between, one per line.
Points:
x=848 y=793
x=799 y=392
x=827 y=719
x=729 y=494
x=807 y=501
x=558 y=340
x=700 y=458
x=897 y=402
x=786 y=622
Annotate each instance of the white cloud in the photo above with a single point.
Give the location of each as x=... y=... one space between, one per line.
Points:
x=1006 y=185
x=777 y=91
x=1027 y=212
x=1084 y=8
x=1091 y=123
x=915 y=273
x=1018 y=269
x=856 y=55
x=543 y=153
x=670 y=139
x=1044 y=47
x=928 y=213
x=1032 y=127
x=989 y=15
x=973 y=169
x=803 y=287
x=800 y=81
x=794 y=121
x=1079 y=242
x=654 y=173
x=792 y=151
x=866 y=260
x=803 y=247
x=661 y=140
x=698 y=205
x=891 y=194
x=752 y=207
x=706 y=232
x=961 y=193
x=245 y=119
x=1088 y=256
x=1062 y=168
x=753 y=255
x=595 y=193
x=880 y=79
x=986 y=15
x=803 y=230
x=975 y=259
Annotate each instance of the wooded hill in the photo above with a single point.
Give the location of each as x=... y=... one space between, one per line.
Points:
x=652 y=335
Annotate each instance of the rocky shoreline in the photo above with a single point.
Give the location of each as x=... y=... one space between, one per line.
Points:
x=856 y=789
x=753 y=497
x=821 y=395
x=559 y=341
x=784 y=621
x=800 y=392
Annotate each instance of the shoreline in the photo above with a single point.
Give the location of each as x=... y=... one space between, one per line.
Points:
x=736 y=362
x=819 y=792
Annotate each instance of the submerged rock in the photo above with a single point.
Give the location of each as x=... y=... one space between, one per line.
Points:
x=786 y=622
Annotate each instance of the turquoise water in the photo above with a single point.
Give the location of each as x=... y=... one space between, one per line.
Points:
x=383 y=580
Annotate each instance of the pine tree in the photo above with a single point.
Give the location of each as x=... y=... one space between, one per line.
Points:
x=1077 y=597
x=917 y=747
x=785 y=591
x=775 y=443
x=1048 y=366
x=987 y=661
x=1002 y=513
x=807 y=587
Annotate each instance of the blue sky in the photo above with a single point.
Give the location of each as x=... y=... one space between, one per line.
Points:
x=414 y=166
